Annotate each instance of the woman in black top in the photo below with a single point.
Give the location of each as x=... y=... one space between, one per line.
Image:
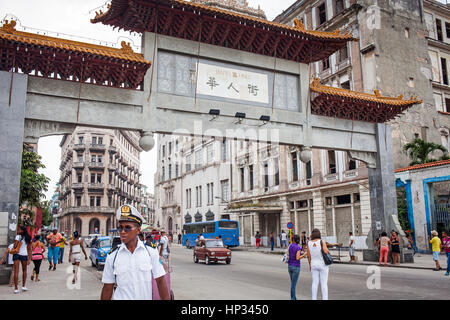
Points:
x=395 y=248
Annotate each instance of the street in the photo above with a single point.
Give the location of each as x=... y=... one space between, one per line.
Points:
x=250 y=276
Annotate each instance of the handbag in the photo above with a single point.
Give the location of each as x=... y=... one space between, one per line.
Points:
x=16 y=249
x=285 y=258
x=327 y=258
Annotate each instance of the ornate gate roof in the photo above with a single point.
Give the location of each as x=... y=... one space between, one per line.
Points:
x=211 y=25
x=58 y=58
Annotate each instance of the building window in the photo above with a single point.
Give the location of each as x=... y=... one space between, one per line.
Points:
x=170 y=171
x=322 y=13
x=294 y=166
x=164 y=151
x=447 y=105
x=444 y=71
x=80 y=140
x=331 y=161
x=198 y=159
x=345 y=85
x=170 y=148
x=79 y=178
x=224 y=190
x=78 y=201
x=92 y=201
x=210 y=153
x=92 y=177
x=241 y=171
x=439 y=30
x=345 y=199
x=308 y=171
x=224 y=150
x=277 y=171
x=266 y=176
x=80 y=157
x=162 y=174
x=109 y=201
x=326 y=64
x=339 y=6
x=351 y=164
x=447 y=30
x=98 y=201
x=343 y=54
x=188 y=163
x=250 y=168
x=176 y=170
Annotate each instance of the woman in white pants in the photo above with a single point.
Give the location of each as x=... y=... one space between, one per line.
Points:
x=317 y=266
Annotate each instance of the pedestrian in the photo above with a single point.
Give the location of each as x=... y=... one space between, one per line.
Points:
x=149 y=241
x=61 y=249
x=132 y=265
x=258 y=239
x=395 y=247
x=283 y=239
x=179 y=238
x=391 y=257
x=351 y=247
x=303 y=240
x=436 y=248
x=317 y=265
x=37 y=252
x=446 y=247
x=9 y=262
x=384 y=243
x=76 y=246
x=272 y=241
x=54 y=239
x=164 y=246
x=410 y=243
x=21 y=256
x=295 y=254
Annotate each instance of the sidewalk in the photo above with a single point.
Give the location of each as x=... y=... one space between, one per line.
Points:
x=421 y=261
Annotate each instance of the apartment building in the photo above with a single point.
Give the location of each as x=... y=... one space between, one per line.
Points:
x=99 y=172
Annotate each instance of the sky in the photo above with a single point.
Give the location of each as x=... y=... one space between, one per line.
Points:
x=71 y=18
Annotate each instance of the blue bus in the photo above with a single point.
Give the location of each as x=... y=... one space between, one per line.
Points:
x=228 y=230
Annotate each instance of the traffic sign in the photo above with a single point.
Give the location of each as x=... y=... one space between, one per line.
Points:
x=290 y=225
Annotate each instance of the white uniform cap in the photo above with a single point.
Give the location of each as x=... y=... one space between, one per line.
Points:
x=127 y=212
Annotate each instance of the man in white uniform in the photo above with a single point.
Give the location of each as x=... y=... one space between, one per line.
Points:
x=132 y=264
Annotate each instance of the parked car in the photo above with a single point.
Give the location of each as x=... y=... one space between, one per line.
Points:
x=99 y=252
x=212 y=250
x=89 y=238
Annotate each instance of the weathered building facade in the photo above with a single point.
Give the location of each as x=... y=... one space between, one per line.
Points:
x=99 y=172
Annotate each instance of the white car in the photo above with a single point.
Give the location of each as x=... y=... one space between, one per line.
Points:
x=88 y=239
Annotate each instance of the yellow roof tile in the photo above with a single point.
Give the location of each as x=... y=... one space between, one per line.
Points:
x=8 y=32
x=316 y=86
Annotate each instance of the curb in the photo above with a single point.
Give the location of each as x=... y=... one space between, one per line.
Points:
x=344 y=262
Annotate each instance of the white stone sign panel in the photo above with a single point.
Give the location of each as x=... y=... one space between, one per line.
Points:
x=230 y=83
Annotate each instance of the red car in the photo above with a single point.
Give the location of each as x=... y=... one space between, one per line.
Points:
x=212 y=250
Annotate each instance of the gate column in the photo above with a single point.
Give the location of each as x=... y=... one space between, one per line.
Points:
x=13 y=88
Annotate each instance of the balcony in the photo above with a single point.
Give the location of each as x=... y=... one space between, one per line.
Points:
x=79 y=146
x=96 y=165
x=97 y=147
x=331 y=177
x=96 y=186
x=112 y=167
x=78 y=165
x=112 y=149
x=111 y=187
x=77 y=186
x=350 y=174
x=87 y=209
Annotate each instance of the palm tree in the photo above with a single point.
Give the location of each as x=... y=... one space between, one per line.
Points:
x=419 y=150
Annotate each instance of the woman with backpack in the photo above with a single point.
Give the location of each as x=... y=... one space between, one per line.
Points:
x=317 y=264
x=21 y=256
x=295 y=255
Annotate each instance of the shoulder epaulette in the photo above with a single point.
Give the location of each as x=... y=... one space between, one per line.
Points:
x=151 y=245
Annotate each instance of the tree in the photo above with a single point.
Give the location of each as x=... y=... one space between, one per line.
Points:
x=32 y=183
x=419 y=151
x=47 y=217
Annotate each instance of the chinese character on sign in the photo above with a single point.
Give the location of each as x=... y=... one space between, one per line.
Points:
x=252 y=89
x=232 y=87
x=212 y=83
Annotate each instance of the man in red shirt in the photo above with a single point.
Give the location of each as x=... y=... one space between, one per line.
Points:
x=54 y=239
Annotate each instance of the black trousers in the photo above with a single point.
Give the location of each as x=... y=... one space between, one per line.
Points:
x=37 y=265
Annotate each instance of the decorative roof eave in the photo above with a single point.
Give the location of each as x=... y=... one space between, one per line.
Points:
x=298 y=44
x=8 y=32
x=352 y=105
x=424 y=166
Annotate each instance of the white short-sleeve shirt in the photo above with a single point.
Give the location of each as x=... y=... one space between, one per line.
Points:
x=133 y=272
x=23 y=248
x=350 y=240
x=283 y=236
x=164 y=242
